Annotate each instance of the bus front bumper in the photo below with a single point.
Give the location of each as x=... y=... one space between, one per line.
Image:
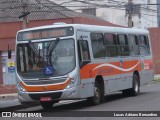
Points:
x=66 y=94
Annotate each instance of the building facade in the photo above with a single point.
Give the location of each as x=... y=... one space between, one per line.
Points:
x=40 y=12
x=158 y=12
x=143 y=12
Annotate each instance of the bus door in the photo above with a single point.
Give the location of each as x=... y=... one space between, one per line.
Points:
x=83 y=40
x=123 y=52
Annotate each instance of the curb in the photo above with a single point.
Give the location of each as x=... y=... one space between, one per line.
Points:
x=156 y=78
x=13 y=95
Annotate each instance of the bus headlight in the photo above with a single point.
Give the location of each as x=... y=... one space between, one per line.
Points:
x=71 y=84
x=20 y=88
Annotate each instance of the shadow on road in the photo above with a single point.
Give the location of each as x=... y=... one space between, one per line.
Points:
x=84 y=104
x=75 y=106
x=18 y=107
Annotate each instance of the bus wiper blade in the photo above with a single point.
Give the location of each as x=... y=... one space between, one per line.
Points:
x=33 y=47
x=52 y=46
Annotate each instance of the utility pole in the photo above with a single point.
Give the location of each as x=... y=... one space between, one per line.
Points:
x=130 y=10
x=24 y=13
x=25 y=22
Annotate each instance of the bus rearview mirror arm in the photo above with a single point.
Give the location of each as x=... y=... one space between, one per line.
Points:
x=9 y=53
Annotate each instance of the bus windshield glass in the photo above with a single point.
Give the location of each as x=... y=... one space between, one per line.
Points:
x=45 y=59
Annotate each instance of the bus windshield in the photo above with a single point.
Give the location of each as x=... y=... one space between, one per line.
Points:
x=45 y=59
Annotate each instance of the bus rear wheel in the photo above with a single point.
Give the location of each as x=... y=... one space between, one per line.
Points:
x=135 y=90
x=96 y=99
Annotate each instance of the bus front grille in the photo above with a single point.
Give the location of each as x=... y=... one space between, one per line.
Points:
x=44 y=81
x=54 y=96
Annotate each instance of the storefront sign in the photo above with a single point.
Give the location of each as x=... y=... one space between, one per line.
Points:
x=11 y=67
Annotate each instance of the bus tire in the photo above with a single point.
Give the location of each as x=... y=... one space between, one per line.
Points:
x=96 y=99
x=47 y=105
x=135 y=90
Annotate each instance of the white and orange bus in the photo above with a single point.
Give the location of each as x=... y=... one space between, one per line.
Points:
x=77 y=61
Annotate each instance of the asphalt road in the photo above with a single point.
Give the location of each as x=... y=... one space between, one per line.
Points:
x=147 y=100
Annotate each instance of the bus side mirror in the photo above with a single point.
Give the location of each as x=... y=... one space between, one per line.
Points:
x=9 y=53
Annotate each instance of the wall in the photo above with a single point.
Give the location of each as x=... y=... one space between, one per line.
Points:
x=8 y=30
x=155 y=42
x=8 y=33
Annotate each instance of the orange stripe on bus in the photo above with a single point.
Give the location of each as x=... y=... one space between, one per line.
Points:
x=112 y=68
x=45 y=88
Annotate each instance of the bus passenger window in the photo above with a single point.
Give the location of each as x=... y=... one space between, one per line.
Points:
x=144 y=45
x=133 y=45
x=111 y=45
x=98 y=47
x=123 y=48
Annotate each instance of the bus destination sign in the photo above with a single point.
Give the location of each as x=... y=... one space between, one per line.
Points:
x=45 y=33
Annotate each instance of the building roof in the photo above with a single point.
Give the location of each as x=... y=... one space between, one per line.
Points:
x=10 y=10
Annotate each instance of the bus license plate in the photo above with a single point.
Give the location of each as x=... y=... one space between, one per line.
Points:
x=45 y=99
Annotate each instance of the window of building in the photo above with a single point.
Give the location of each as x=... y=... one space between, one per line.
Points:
x=98 y=46
x=123 y=48
x=89 y=11
x=111 y=45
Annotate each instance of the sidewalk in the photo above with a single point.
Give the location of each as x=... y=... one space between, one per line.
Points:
x=9 y=96
x=156 y=76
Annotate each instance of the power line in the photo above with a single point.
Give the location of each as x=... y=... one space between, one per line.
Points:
x=113 y=6
x=96 y=5
x=150 y=14
x=149 y=19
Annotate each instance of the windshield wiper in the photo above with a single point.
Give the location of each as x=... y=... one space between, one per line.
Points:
x=33 y=47
x=50 y=49
x=52 y=46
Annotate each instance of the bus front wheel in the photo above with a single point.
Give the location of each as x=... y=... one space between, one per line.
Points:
x=47 y=105
x=96 y=99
